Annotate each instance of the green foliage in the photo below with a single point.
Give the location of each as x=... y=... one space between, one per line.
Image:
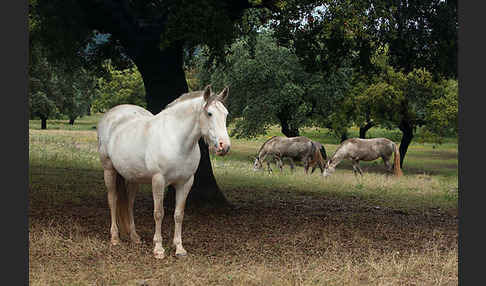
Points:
x=123 y=87
x=266 y=87
x=442 y=112
x=396 y=97
x=78 y=89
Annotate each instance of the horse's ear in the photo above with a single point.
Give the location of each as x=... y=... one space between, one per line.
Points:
x=224 y=94
x=207 y=92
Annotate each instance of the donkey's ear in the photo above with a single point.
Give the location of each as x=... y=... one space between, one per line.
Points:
x=207 y=92
x=224 y=94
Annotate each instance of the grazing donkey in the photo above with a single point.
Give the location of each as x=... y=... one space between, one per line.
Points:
x=357 y=149
x=137 y=147
x=298 y=148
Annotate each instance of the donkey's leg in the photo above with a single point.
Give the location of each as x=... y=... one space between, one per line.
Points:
x=306 y=165
x=182 y=190
x=279 y=163
x=268 y=167
x=292 y=165
x=110 y=182
x=388 y=166
x=132 y=189
x=356 y=168
x=158 y=185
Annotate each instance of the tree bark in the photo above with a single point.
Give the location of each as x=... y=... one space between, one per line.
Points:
x=407 y=136
x=71 y=121
x=344 y=136
x=364 y=129
x=287 y=129
x=164 y=79
x=43 y=122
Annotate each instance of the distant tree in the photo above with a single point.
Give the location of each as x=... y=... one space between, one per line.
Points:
x=267 y=87
x=401 y=100
x=43 y=82
x=77 y=88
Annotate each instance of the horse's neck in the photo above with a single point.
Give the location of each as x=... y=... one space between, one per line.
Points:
x=337 y=157
x=182 y=121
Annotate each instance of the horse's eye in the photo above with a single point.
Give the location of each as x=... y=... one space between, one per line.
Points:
x=210 y=114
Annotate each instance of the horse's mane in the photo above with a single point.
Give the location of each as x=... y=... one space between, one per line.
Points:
x=261 y=147
x=184 y=97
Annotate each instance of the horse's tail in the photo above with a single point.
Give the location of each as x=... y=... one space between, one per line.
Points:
x=396 y=165
x=122 y=205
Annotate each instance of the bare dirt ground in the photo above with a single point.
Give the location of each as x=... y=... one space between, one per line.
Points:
x=286 y=239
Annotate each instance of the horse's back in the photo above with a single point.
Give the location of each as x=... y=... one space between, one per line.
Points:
x=116 y=118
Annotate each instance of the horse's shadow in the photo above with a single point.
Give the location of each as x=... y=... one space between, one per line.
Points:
x=268 y=221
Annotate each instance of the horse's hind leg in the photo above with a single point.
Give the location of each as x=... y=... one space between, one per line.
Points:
x=158 y=186
x=132 y=189
x=110 y=182
x=182 y=190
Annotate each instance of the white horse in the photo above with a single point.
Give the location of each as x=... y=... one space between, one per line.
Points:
x=136 y=147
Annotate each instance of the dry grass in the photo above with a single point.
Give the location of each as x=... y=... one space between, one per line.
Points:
x=284 y=229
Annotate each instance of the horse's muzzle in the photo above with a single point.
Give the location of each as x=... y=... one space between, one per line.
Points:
x=222 y=149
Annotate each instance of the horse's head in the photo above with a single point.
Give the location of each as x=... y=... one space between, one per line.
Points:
x=329 y=168
x=257 y=165
x=213 y=121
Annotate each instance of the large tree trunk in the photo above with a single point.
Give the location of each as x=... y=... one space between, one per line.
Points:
x=344 y=136
x=43 y=122
x=364 y=129
x=407 y=136
x=71 y=121
x=287 y=129
x=164 y=80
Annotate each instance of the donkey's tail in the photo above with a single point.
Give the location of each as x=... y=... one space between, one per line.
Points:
x=396 y=165
x=318 y=157
x=323 y=152
x=122 y=218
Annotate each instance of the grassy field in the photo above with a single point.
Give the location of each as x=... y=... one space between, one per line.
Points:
x=284 y=229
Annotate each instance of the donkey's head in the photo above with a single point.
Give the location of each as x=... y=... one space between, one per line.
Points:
x=257 y=164
x=213 y=121
x=329 y=168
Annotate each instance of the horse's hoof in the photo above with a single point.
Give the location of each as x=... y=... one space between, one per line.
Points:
x=159 y=255
x=136 y=239
x=181 y=255
x=115 y=242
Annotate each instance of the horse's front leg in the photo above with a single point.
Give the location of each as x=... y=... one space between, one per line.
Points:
x=182 y=190
x=158 y=186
